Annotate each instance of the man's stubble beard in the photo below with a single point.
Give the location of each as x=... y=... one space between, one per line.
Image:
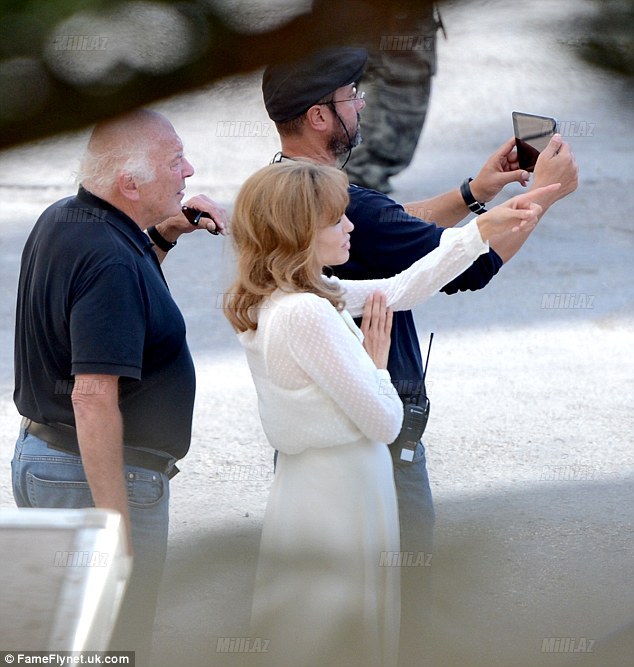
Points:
x=338 y=143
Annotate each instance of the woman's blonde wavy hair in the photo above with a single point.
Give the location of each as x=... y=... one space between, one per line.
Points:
x=278 y=212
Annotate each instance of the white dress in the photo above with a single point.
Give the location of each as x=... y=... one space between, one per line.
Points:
x=322 y=597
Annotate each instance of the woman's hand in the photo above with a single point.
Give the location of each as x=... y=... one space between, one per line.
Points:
x=519 y=214
x=376 y=326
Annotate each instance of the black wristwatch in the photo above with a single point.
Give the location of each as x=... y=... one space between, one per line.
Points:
x=473 y=205
x=159 y=241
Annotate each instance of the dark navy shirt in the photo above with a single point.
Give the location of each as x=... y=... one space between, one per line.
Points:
x=384 y=242
x=92 y=299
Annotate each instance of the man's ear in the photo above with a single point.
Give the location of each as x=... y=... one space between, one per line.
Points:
x=127 y=186
x=316 y=118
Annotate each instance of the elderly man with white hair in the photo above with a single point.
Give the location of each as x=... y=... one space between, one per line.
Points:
x=103 y=375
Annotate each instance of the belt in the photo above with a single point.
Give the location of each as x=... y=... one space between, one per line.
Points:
x=63 y=438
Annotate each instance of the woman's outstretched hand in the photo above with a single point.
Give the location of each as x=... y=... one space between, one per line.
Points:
x=519 y=214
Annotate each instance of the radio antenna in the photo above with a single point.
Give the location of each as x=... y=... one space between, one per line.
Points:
x=431 y=338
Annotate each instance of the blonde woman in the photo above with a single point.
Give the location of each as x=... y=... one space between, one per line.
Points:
x=326 y=403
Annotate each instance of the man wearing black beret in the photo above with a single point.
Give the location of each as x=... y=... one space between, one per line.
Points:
x=316 y=108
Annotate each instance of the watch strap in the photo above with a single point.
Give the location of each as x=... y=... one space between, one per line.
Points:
x=159 y=241
x=472 y=204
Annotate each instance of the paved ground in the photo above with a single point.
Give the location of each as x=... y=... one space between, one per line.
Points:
x=530 y=441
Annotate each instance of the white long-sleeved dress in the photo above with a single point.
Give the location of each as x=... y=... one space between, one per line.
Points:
x=323 y=594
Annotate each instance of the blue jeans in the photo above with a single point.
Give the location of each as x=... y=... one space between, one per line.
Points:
x=44 y=477
x=416 y=518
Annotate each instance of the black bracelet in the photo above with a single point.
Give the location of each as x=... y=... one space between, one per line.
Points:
x=159 y=241
x=473 y=205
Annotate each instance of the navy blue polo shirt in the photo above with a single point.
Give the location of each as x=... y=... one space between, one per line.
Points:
x=92 y=299
x=384 y=242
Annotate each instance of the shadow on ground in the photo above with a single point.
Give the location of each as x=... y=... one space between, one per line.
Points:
x=536 y=577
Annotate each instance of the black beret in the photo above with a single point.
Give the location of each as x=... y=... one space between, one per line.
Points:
x=289 y=89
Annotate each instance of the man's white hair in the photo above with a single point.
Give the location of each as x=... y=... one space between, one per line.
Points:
x=120 y=146
x=100 y=171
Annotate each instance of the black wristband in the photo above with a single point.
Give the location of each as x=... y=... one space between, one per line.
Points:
x=159 y=241
x=473 y=205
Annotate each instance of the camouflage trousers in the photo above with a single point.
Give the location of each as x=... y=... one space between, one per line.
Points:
x=397 y=83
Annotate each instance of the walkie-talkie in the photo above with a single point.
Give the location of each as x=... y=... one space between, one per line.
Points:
x=414 y=420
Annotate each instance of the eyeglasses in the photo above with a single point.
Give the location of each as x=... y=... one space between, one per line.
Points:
x=356 y=96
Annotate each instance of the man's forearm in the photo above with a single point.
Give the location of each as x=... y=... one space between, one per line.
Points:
x=508 y=245
x=100 y=434
x=445 y=210
x=449 y=209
